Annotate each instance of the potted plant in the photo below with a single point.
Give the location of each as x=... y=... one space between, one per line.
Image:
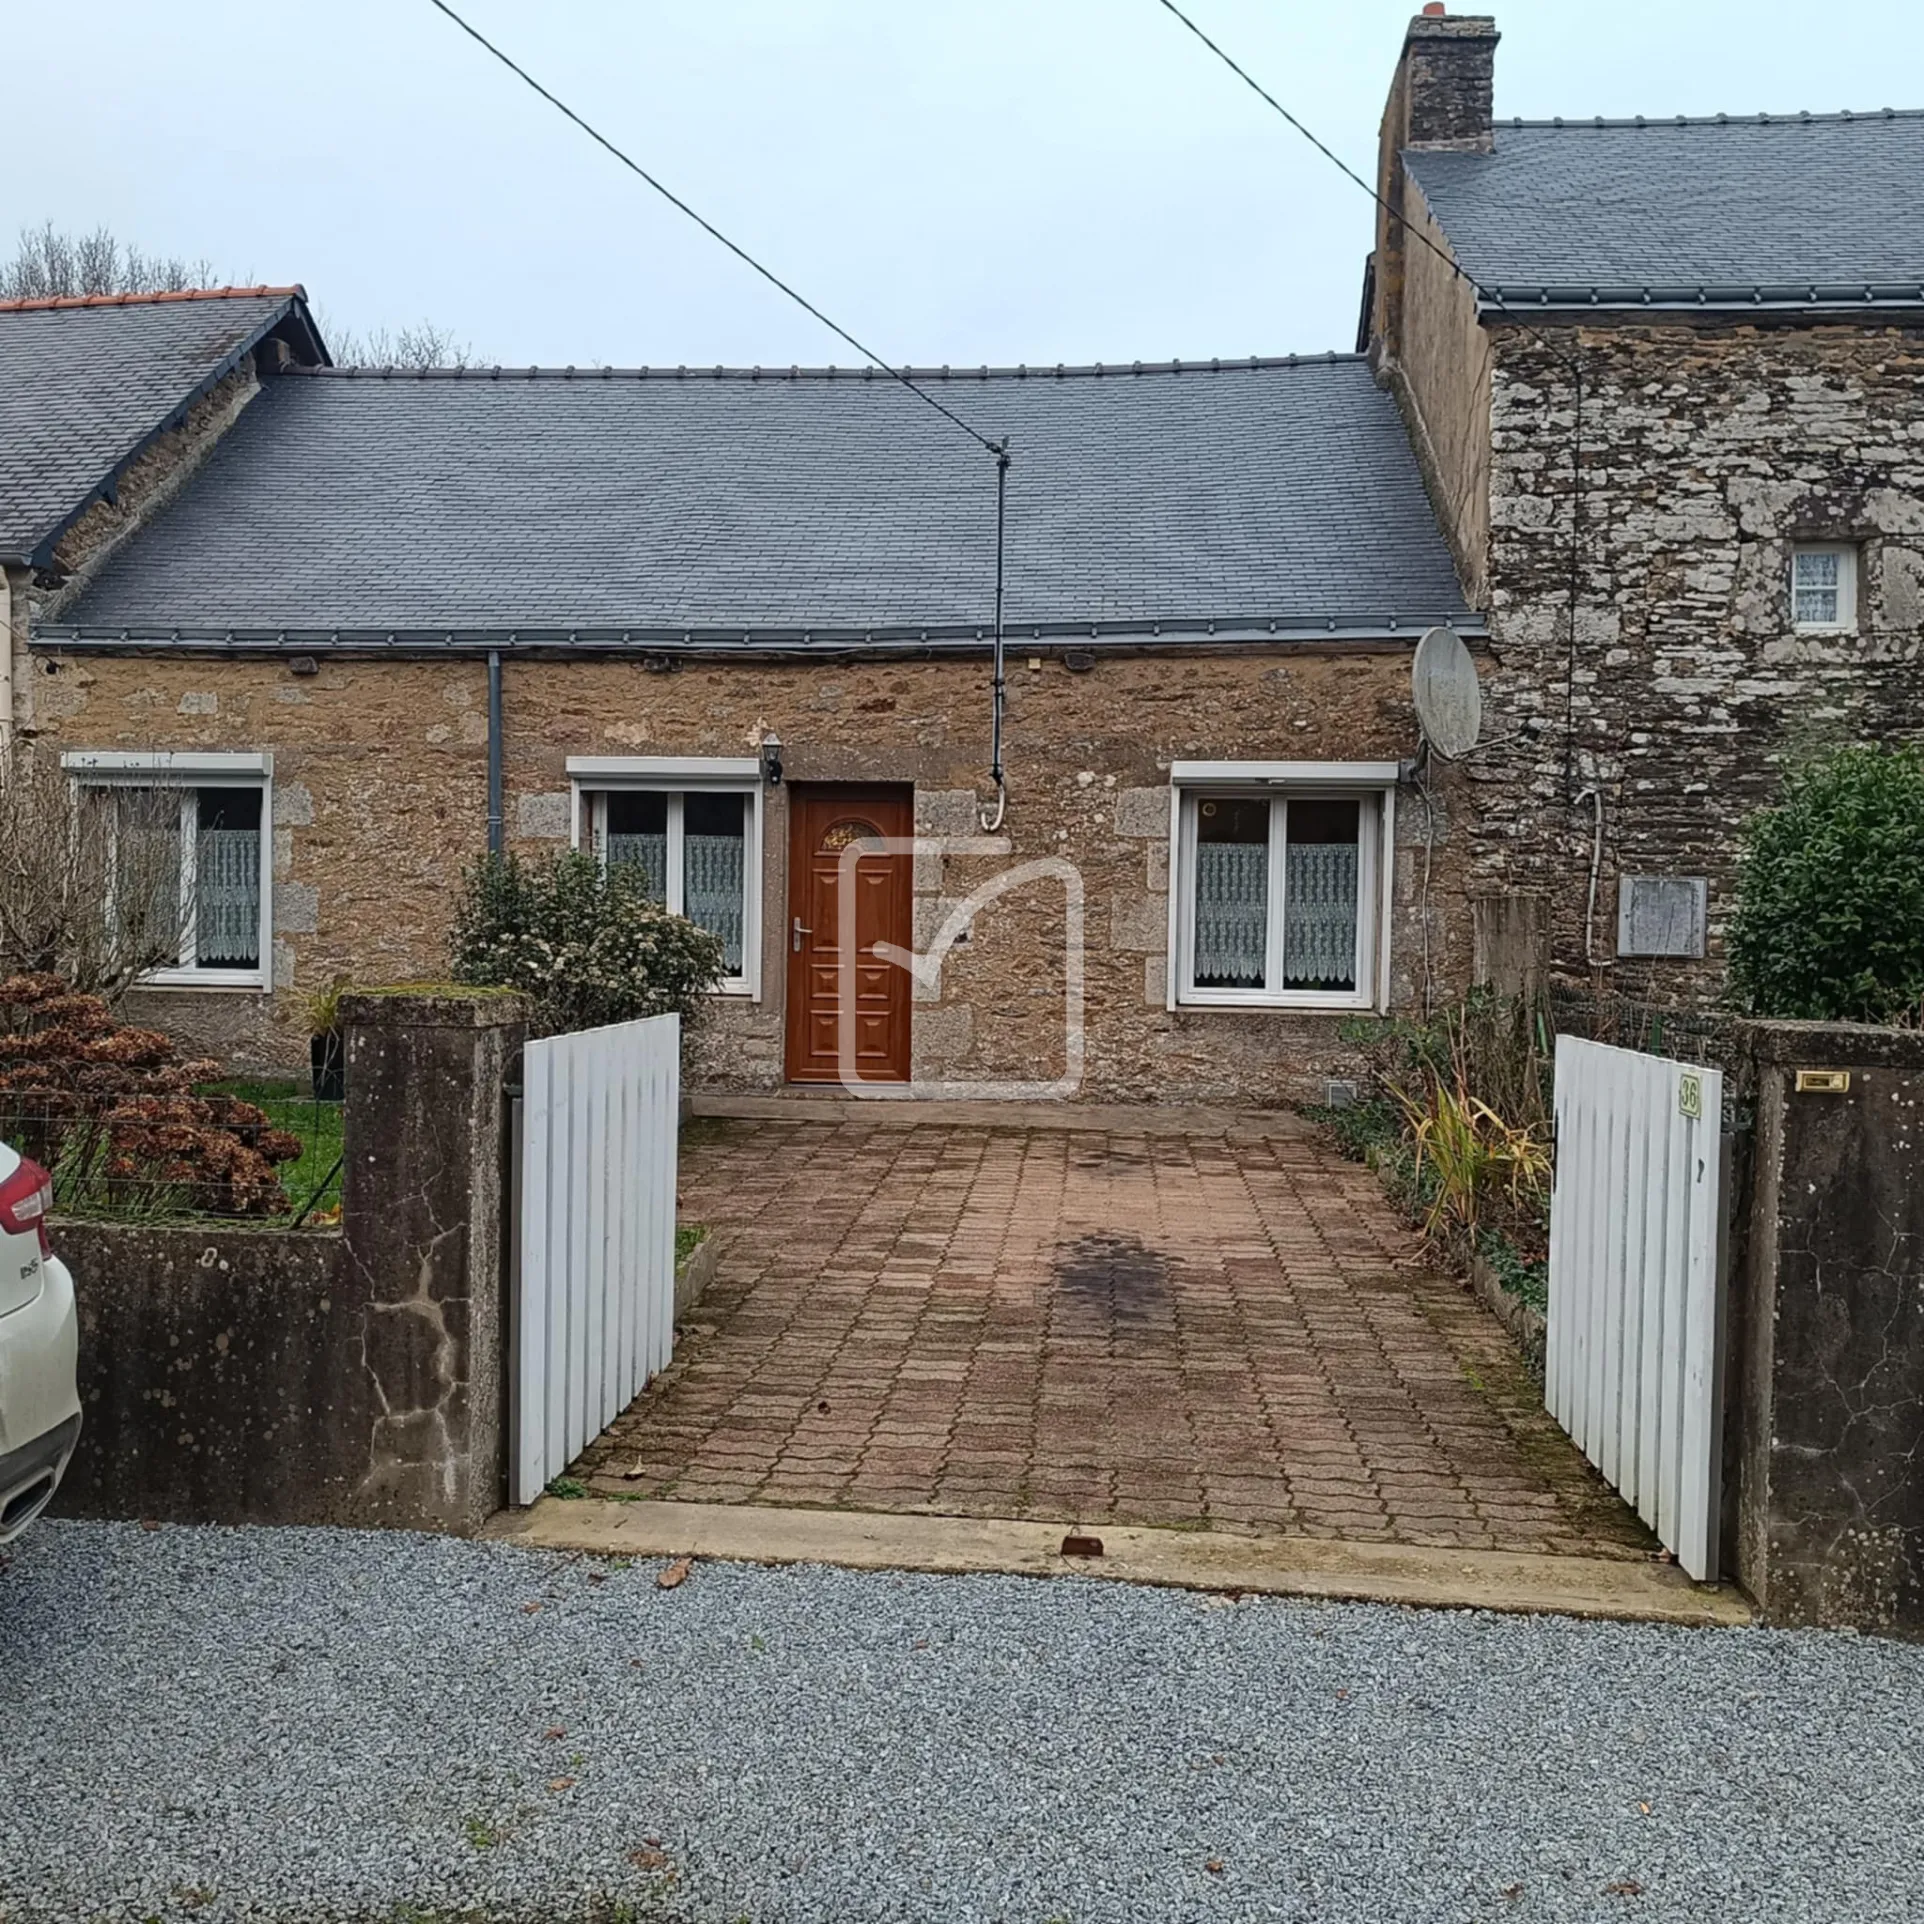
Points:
x=326 y=1046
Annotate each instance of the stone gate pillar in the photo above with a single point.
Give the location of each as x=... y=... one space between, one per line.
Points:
x=424 y=1202
x=1826 y=1372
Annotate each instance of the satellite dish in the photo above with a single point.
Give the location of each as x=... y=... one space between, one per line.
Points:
x=1448 y=697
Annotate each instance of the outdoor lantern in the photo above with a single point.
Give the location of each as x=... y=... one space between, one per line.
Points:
x=772 y=760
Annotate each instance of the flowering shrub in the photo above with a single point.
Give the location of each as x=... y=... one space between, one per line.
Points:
x=112 y=1112
x=583 y=943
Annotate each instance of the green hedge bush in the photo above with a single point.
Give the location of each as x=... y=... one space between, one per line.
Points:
x=583 y=943
x=1829 y=922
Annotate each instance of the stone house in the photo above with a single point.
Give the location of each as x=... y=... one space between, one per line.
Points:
x=1665 y=474
x=1666 y=381
x=606 y=607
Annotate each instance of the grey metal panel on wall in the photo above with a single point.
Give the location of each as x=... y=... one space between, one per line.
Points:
x=1662 y=914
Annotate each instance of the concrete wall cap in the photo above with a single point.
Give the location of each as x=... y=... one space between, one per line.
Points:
x=432 y=1005
x=1832 y=1045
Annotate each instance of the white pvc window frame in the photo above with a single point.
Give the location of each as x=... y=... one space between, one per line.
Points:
x=594 y=778
x=1373 y=786
x=1845 y=555
x=188 y=772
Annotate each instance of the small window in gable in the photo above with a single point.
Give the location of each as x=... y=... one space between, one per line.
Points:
x=1823 y=586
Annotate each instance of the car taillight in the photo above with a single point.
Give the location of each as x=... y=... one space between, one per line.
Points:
x=26 y=1200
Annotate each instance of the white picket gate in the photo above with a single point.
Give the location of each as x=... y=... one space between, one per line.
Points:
x=594 y=1297
x=1633 y=1369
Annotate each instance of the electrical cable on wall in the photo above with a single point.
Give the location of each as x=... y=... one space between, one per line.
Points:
x=991 y=817
x=1429 y=856
x=999 y=449
x=1595 y=797
x=1494 y=298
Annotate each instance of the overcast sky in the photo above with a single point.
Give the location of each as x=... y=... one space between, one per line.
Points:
x=955 y=180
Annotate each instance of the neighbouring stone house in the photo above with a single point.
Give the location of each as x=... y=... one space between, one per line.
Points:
x=1666 y=379
x=673 y=579
x=728 y=623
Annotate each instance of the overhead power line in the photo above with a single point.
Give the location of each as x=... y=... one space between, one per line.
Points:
x=1256 y=87
x=998 y=773
x=1349 y=173
x=1571 y=364
x=708 y=227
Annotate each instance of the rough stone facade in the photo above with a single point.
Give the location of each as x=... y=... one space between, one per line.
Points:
x=380 y=777
x=1705 y=452
x=1622 y=494
x=148 y=484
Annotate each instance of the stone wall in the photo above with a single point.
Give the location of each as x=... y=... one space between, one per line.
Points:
x=220 y=1375
x=1705 y=451
x=247 y=1374
x=148 y=483
x=380 y=800
x=380 y=797
x=1437 y=363
x=1825 y=1500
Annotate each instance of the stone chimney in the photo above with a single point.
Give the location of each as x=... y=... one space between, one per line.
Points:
x=1445 y=81
x=1418 y=323
x=1441 y=98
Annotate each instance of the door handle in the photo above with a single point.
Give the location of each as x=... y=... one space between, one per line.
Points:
x=796 y=934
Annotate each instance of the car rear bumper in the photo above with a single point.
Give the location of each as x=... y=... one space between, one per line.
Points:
x=39 y=1399
x=30 y=1475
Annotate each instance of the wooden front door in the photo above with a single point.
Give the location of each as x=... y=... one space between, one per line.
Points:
x=822 y=823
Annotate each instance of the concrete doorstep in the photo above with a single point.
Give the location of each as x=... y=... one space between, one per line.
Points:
x=1217 y=1560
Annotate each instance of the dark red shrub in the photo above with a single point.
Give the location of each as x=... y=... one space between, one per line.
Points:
x=112 y=1112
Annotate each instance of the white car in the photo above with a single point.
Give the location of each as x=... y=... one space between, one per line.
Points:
x=39 y=1344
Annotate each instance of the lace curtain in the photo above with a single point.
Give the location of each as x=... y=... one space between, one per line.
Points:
x=711 y=881
x=712 y=886
x=227 y=898
x=1232 y=914
x=650 y=854
x=1818 y=582
x=1319 y=942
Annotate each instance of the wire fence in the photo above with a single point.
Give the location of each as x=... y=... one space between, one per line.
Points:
x=1706 y=1036
x=266 y=1151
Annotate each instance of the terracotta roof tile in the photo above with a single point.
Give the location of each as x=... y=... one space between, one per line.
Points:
x=43 y=303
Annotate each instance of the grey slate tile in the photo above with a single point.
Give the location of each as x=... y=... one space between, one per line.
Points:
x=1738 y=203
x=81 y=387
x=1275 y=492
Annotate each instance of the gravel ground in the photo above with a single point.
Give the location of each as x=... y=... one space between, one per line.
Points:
x=318 y=1725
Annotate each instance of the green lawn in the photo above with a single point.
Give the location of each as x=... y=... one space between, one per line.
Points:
x=318 y=1124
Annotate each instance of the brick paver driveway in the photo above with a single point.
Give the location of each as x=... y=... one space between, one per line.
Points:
x=1122 y=1323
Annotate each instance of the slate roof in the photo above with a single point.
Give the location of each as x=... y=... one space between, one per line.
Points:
x=1787 y=211
x=788 y=507
x=87 y=381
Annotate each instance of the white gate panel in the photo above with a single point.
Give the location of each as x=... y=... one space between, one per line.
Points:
x=594 y=1310
x=1632 y=1360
